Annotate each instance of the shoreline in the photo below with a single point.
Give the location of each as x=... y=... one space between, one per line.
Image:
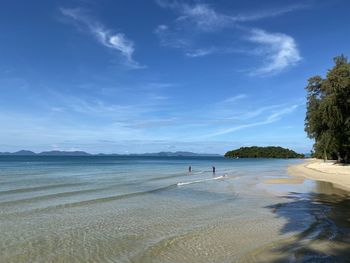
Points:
x=315 y=169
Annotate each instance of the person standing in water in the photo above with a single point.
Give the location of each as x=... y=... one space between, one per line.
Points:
x=189 y=169
x=214 y=169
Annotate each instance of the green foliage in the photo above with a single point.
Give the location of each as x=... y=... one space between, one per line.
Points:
x=263 y=152
x=328 y=112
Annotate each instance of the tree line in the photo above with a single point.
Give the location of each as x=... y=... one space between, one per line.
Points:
x=328 y=112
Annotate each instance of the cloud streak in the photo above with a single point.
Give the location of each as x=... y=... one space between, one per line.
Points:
x=272 y=117
x=115 y=41
x=234 y=98
x=201 y=52
x=206 y=18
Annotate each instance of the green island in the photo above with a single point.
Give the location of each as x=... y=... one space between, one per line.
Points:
x=263 y=152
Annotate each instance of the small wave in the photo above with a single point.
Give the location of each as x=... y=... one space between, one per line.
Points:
x=38 y=188
x=167 y=177
x=114 y=197
x=202 y=180
x=96 y=200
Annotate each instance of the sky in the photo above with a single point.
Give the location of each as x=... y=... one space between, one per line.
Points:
x=132 y=76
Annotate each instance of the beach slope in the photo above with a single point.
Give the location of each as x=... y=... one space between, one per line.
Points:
x=337 y=174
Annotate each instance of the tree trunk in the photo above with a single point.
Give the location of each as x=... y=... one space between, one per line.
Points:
x=339 y=158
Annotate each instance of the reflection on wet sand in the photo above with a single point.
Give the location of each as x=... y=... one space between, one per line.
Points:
x=321 y=225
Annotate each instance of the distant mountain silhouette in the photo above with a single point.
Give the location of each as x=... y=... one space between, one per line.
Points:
x=47 y=153
x=64 y=153
x=179 y=154
x=81 y=153
x=22 y=152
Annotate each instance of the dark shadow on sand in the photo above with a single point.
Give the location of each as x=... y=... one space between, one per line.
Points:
x=322 y=218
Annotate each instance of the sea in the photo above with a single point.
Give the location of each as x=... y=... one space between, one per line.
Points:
x=152 y=209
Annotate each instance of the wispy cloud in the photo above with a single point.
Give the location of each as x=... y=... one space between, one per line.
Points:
x=234 y=98
x=263 y=14
x=87 y=119
x=206 y=18
x=176 y=39
x=201 y=52
x=114 y=41
x=169 y=38
x=98 y=108
x=272 y=117
x=280 y=51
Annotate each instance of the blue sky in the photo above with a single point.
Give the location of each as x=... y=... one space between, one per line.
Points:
x=145 y=76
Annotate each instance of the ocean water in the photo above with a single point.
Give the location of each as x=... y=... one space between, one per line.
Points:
x=147 y=209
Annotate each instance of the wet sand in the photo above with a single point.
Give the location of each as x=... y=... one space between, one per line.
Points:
x=291 y=180
x=338 y=175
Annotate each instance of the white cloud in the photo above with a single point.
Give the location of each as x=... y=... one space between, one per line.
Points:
x=280 y=51
x=115 y=41
x=204 y=17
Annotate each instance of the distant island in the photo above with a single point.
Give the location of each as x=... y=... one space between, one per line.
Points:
x=81 y=153
x=178 y=154
x=263 y=152
x=46 y=153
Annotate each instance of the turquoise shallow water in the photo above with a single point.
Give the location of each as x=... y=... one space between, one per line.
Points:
x=145 y=209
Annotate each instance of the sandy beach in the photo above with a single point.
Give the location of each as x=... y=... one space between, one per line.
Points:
x=337 y=174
